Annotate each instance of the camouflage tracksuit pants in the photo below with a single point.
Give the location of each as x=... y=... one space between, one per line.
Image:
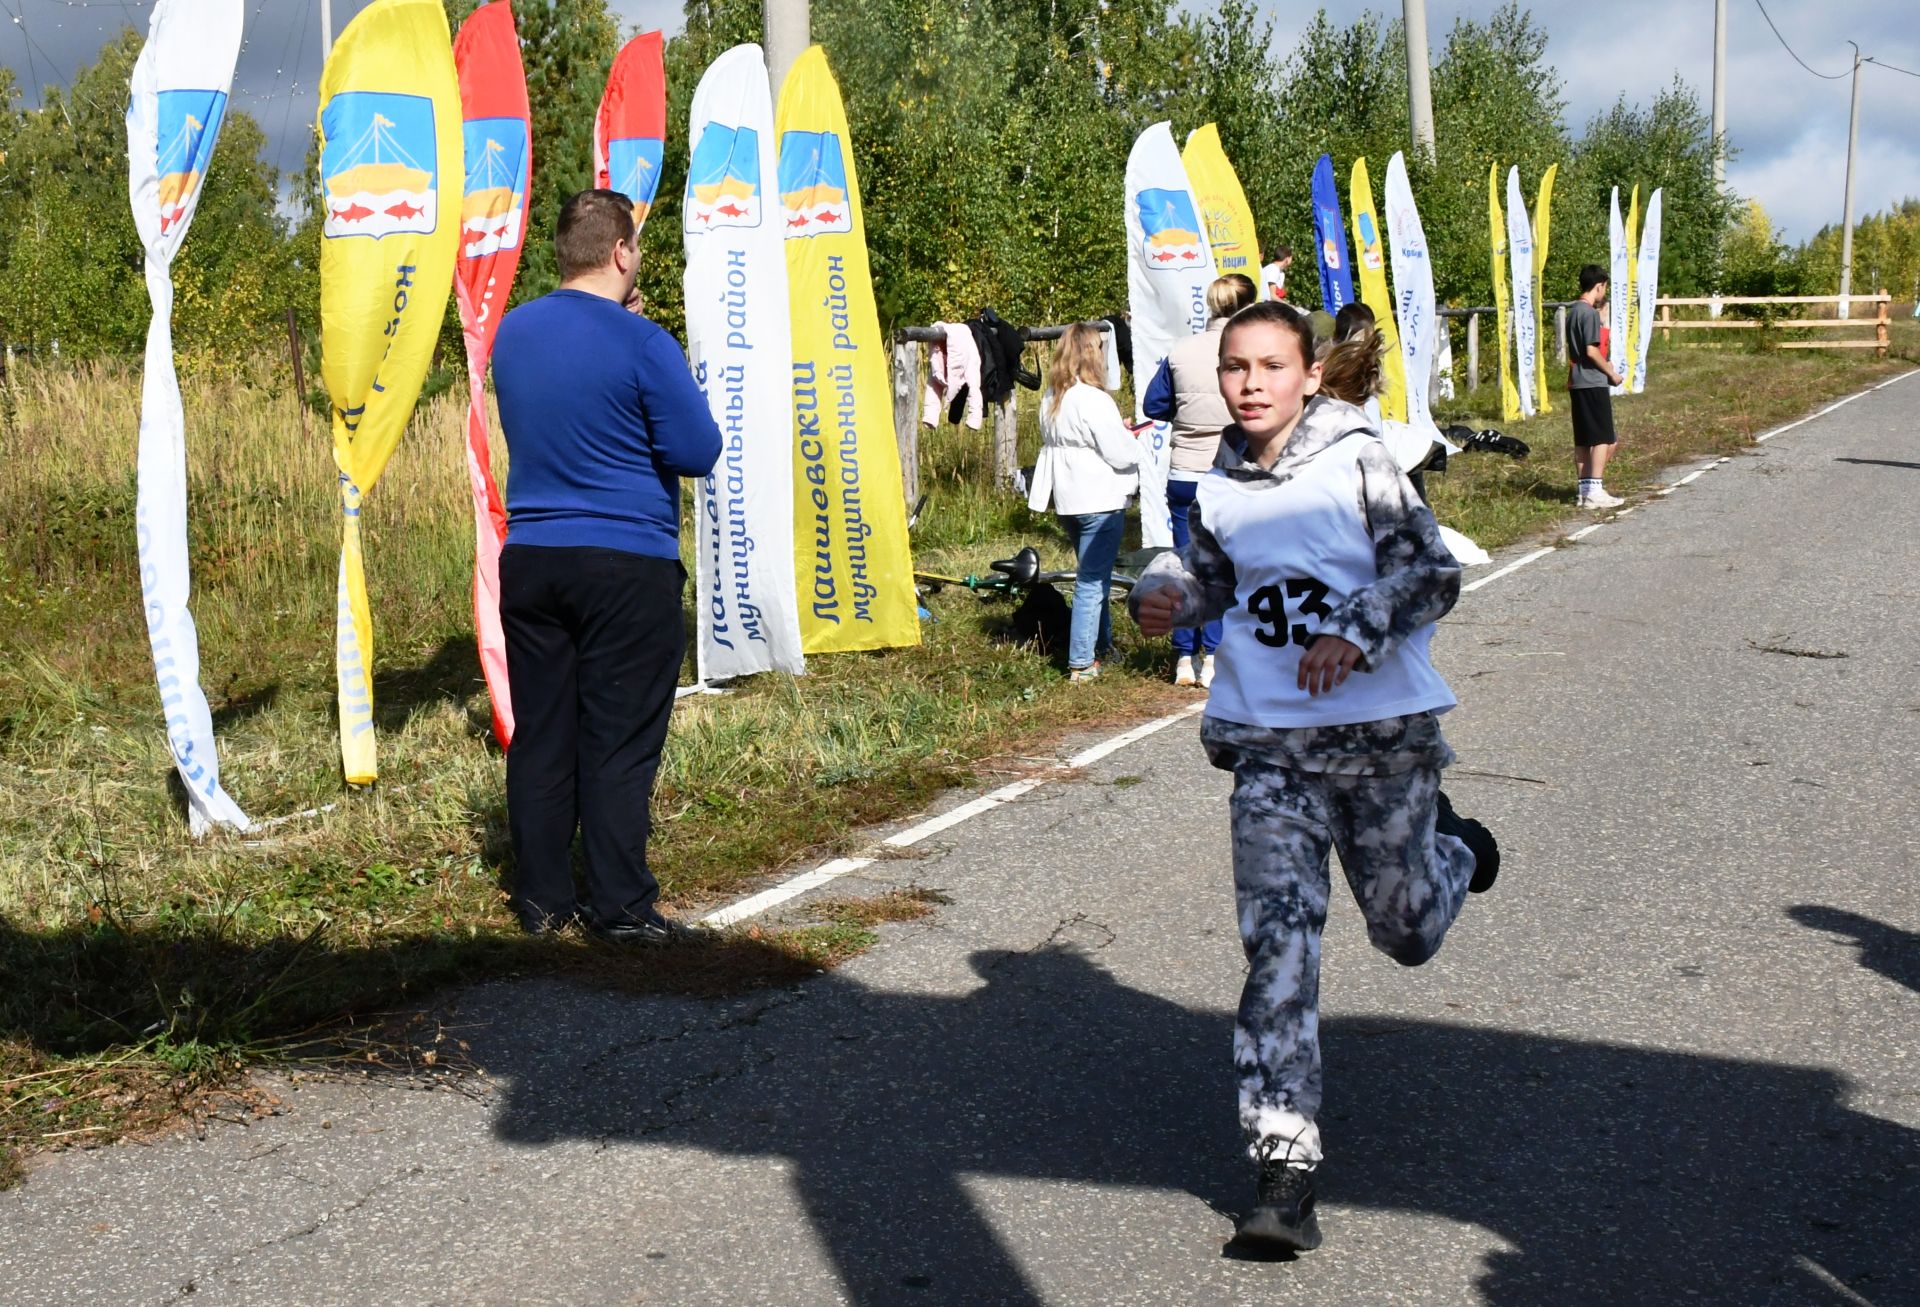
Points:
x=1408 y=880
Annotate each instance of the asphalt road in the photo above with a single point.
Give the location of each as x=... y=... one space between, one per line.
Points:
x=1671 y=1058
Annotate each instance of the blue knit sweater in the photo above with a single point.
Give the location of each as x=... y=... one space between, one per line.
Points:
x=602 y=419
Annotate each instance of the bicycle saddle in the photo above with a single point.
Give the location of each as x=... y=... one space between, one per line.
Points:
x=1022 y=569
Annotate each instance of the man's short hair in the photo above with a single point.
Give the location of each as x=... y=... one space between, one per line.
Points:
x=1280 y=254
x=591 y=224
x=1591 y=275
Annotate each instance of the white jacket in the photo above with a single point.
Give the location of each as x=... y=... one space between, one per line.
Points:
x=1087 y=454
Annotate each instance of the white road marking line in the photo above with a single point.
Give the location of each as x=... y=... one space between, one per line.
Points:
x=830 y=871
x=838 y=867
x=780 y=893
x=1508 y=570
x=1902 y=377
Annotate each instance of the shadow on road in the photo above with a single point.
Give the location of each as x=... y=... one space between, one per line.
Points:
x=1889 y=950
x=1879 y=462
x=1613 y=1174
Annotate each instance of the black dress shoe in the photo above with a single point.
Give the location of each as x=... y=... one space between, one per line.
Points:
x=542 y=923
x=652 y=929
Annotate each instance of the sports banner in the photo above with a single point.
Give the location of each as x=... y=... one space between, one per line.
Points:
x=1630 y=294
x=629 y=132
x=1169 y=267
x=1223 y=205
x=1526 y=315
x=1413 y=291
x=853 y=569
x=741 y=348
x=1372 y=254
x=1646 y=291
x=498 y=137
x=178 y=100
x=1542 y=227
x=1330 y=239
x=390 y=147
x=1618 y=280
x=1503 y=327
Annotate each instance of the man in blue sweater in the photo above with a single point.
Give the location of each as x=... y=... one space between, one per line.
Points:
x=602 y=418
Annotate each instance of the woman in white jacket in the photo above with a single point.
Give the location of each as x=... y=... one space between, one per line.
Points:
x=1086 y=469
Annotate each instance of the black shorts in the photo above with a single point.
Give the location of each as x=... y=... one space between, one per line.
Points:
x=1592 y=416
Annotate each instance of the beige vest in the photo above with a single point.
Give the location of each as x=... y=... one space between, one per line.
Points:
x=1199 y=412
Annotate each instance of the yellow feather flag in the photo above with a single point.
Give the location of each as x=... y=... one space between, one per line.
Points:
x=391 y=169
x=852 y=564
x=1497 y=224
x=1542 y=226
x=1633 y=277
x=1371 y=251
x=1223 y=205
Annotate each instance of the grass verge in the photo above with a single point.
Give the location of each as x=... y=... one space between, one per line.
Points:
x=143 y=968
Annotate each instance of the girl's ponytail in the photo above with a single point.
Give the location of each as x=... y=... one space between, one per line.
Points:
x=1351 y=370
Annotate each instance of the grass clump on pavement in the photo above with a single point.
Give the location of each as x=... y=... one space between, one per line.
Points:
x=143 y=967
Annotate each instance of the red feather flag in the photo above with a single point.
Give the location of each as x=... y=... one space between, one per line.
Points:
x=630 y=131
x=493 y=228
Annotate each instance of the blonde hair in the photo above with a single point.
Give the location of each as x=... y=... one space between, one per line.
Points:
x=1229 y=294
x=1350 y=370
x=1080 y=356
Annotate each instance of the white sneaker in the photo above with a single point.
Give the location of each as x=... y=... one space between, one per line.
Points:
x=1186 y=671
x=1604 y=500
x=1206 y=672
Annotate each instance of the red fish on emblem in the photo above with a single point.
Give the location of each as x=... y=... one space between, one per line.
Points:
x=353 y=213
x=828 y=215
x=732 y=211
x=799 y=220
x=404 y=210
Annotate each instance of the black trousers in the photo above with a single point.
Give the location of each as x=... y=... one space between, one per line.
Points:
x=594 y=646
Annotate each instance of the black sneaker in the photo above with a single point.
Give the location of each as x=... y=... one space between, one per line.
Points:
x=1282 y=1219
x=1479 y=841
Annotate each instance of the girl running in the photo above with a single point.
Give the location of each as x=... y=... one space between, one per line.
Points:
x=1330 y=574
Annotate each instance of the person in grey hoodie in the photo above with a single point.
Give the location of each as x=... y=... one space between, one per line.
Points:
x=1330 y=574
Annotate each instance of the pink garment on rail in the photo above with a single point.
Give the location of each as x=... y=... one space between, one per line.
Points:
x=951 y=364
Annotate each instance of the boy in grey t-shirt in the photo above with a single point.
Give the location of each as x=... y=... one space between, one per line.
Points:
x=1588 y=375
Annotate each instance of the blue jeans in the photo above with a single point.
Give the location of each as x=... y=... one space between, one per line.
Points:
x=1180 y=497
x=1096 y=543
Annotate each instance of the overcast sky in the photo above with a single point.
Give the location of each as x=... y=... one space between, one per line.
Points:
x=1788 y=127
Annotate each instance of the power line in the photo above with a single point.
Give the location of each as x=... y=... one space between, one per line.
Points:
x=1892 y=68
x=1831 y=77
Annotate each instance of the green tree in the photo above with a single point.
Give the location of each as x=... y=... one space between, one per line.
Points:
x=74 y=271
x=1666 y=145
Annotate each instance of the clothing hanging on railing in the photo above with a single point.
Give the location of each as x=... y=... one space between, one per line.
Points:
x=1122 y=337
x=1001 y=346
x=953 y=377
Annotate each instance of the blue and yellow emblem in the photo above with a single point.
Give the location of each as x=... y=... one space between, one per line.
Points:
x=633 y=163
x=379 y=169
x=1370 y=254
x=189 y=128
x=723 y=179
x=493 y=205
x=1172 y=229
x=813 y=184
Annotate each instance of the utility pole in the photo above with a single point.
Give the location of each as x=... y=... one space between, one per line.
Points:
x=326 y=29
x=788 y=25
x=1419 y=91
x=1846 y=222
x=1719 y=93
